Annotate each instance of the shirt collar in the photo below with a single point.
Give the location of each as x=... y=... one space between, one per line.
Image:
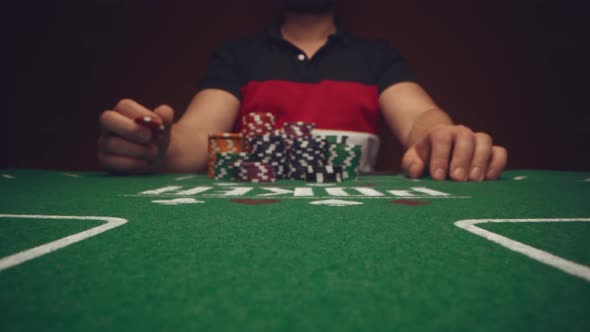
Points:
x=274 y=31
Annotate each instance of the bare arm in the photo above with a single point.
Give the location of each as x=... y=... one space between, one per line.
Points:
x=433 y=141
x=128 y=148
x=210 y=111
x=410 y=112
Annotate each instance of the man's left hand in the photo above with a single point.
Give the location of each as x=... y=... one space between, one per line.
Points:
x=456 y=152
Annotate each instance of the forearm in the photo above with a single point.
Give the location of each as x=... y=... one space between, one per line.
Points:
x=425 y=122
x=210 y=111
x=187 y=151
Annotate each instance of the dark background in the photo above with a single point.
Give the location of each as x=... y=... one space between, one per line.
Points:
x=515 y=69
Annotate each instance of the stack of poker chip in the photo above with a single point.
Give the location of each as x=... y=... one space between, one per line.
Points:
x=346 y=155
x=322 y=174
x=250 y=171
x=224 y=164
x=303 y=153
x=289 y=153
x=270 y=149
x=256 y=124
x=220 y=143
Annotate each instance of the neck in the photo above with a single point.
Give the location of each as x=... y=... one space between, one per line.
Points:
x=308 y=27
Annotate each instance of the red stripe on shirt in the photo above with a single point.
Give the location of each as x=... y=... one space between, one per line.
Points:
x=330 y=104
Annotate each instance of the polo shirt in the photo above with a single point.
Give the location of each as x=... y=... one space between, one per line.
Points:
x=337 y=89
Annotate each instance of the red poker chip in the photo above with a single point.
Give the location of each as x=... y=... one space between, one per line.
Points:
x=151 y=123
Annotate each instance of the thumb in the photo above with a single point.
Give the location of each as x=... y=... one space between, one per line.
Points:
x=166 y=114
x=415 y=159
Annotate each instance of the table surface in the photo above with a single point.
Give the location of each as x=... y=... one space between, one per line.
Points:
x=89 y=251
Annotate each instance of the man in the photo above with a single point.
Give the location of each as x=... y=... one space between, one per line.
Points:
x=304 y=68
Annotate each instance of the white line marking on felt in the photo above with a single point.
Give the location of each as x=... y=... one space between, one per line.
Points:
x=431 y=192
x=335 y=202
x=72 y=175
x=301 y=196
x=160 y=190
x=401 y=193
x=519 y=178
x=368 y=191
x=587 y=180
x=177 y=201
x=26 y=255
x=321 y=184
x=193 y=191
x=275 y=192
x=232 y=192
x=185 y=177
x=338 y=192
x=557 y=262
x=7 y=176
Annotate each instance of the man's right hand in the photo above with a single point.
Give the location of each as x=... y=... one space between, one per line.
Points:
x=127 y=147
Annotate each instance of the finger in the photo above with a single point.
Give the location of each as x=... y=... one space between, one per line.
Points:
x=441 y=143
x=120 y=164
x=481 y=157
x=121 y=125
x=132 y=109
x=412 y=163
x=110 y=144
x=423 y=150
x=463 y=151
x=497 y=163
x=166 y=113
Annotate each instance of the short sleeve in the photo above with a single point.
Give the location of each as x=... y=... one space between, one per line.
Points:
x=223 y=71
x=391 y=68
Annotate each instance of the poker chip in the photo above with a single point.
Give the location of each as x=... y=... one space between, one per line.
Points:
x=249 y=171
x=346 y=155
x=224 y=162
x=336 y=139
x=263 y=153
x=324 y=174
x=256 y=124
x=305 y=151
x=270 y=149
x=151 y=123
x=220 y=143
x=298 y=129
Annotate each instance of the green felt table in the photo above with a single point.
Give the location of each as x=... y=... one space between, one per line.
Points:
x=93 y=252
